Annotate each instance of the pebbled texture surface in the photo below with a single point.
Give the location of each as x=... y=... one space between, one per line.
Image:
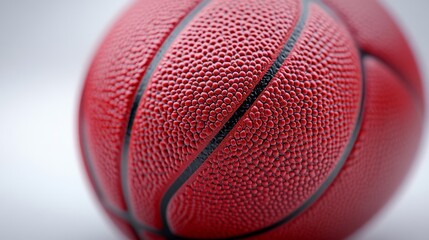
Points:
x=285 y=145
x=377 y=34
x=113 y=78
x=203 y=78
x=379 y=161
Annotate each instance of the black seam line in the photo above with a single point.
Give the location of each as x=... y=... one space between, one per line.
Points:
x=235 y=118
x=140 y=91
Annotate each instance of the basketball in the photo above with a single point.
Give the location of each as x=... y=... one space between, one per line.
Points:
x=246 y=119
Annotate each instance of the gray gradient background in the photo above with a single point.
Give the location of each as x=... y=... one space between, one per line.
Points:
x=45 y=48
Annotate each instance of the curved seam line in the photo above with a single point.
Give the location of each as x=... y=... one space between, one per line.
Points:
x=235 y=118
x=135 y=224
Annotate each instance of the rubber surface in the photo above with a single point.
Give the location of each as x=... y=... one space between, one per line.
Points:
x=249 y=119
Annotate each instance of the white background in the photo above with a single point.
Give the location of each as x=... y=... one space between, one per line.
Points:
x=45 y=47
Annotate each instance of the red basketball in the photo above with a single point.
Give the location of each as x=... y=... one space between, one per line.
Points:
x=276 y=119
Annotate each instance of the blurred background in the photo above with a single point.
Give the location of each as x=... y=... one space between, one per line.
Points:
x=45 y=48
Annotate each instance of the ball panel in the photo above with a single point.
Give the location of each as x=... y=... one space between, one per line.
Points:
x=285 y=146
x=381 y=157
x=113 y=78
x=377 y=34
x=203 y=78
